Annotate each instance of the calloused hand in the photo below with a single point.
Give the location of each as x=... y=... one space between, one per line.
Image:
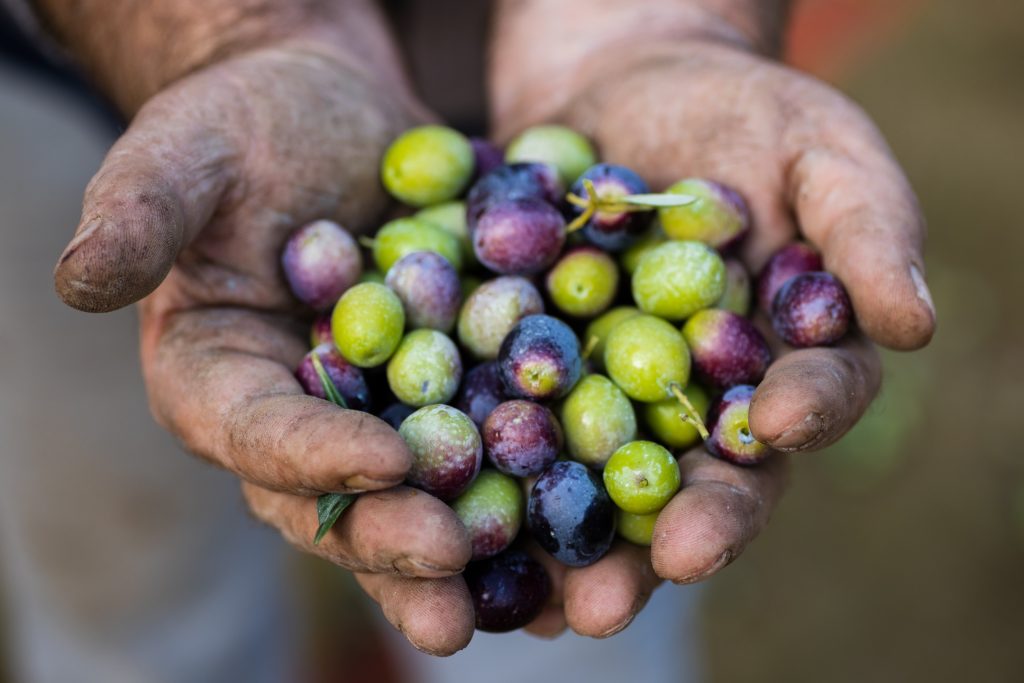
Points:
x=812 y=165
x=189 y=213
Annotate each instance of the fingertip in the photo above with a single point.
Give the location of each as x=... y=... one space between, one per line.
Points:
x=912 y=327
x=549 y=624
x=345 y=451
x=405 y=530
x=604 y=598
x=116 y=260
x=699 y=532
x=891 y=300
x=435 y=615
x=811 y=397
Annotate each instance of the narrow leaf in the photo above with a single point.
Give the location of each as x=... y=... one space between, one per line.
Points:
x=660 y=201
x=328 y=509
x=333 y=395
x=330 y=505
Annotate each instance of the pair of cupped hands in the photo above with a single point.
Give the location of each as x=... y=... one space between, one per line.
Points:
x=190 y=209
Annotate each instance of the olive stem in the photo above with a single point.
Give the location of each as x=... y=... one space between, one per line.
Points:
x=367 y=242
x=689 y=413
x=629 y=203
x=589 y=348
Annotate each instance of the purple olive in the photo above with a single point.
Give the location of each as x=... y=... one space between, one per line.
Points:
x=481 y=392
x=520 y=236
x=446 y=449
x=428 y=286
x=513 y=181
x=347 y=378
x=395 y=414
x=729 y=424
x=726 y=348
x=491 y=509
x=612 y=230
x=812 y=309
x=570 y=514
x=540 y=359
x=788 y=262
x=321 y=332
x=522 y=438
x=488 y=156
x=508 y=591
x=321 y=261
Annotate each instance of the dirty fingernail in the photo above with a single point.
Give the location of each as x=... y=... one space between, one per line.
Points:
x=800 y=435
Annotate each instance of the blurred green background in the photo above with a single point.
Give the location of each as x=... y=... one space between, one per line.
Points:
x=898 y=554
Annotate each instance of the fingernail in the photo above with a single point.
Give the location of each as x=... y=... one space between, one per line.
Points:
x=420 y=569
x=723 y=559
x=81 y=238
x=922 y=289
x=618 y=627
x=360 y=482
x=802 y=434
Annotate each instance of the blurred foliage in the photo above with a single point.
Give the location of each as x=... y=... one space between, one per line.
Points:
x=897 y=554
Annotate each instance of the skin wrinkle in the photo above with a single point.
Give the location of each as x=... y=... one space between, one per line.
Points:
x=250 y=277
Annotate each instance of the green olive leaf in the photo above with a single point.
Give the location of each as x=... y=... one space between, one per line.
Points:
x=593 y=203
x=330 y=505
x=333 y=395
x=328 y=510
x=660 y=201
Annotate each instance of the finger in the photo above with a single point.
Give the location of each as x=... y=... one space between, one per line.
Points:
x=159 y=184
x=719 y=510
x=855 y=204
x=400 y=530
x=435 y=615
x=811 y=397
x=551 y=620
x=550 y=623
x=221 y=380
x=604 y=598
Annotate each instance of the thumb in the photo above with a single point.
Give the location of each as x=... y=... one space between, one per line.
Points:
x=158 y=186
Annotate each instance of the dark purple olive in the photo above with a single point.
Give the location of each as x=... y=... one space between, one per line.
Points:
x=726 y=348
x=428 y=286
x=522 y=438
x=612 y=230
x=518 y=236
x=395 y=414
x=540 y=359
x=570 y=514
x=791 y=260
x=481 y=392
x=508 y=591
x=812 y=309
x=526 y=180
x=347 y=378
x=487 y=155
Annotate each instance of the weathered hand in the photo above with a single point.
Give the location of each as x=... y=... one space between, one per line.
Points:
x=194 y=204
x=811 y=164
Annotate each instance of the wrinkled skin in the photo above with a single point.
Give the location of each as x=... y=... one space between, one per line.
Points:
x=196 y=200
x=216 y=170
x=811 y=164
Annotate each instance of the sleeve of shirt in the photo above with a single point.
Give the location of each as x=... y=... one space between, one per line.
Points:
x=23 y=15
